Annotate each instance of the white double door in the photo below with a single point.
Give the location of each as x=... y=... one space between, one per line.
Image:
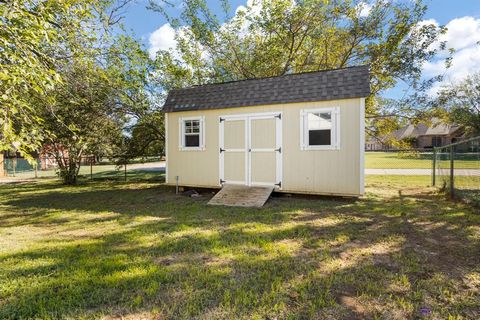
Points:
x=251 y=149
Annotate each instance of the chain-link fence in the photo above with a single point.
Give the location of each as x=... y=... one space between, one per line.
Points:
x=408 y=162
x=91 y=167
x=457 y=170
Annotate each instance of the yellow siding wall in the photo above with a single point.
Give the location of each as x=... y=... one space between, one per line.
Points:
x=304 y=171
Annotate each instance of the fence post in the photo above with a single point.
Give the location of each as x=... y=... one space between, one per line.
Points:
x=176 y=184
x=434 y=165
x=452 y=172
x=125 y=169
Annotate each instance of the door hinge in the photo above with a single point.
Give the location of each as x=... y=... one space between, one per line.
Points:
x=222 y=181
x=279 y=150
x=221 y=119
x=279 y=116
x=222 y=150
x=279 y=184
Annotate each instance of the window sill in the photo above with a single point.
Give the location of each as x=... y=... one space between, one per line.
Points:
x=320 y=148
x=191 y=149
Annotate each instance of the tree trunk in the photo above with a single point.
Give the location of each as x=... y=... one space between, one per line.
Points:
x=68 y=166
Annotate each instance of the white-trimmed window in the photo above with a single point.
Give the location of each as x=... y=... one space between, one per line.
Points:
x=320 y=129
x=192 y=133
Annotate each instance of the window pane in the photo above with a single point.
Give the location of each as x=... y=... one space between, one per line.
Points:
x=319 y=137
x=192 y=140
x=192 y=126
x=188 y=126
x=317 y=121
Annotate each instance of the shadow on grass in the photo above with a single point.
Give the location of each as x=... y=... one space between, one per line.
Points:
x=132 y=175
x=470 y=196
x=176 y=257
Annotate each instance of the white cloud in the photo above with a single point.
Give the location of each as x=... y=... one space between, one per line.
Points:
x=427 y=22
x=463 y=35
x=162 y=39
x=462 y=32
x=364 y=9
x=251 y=9
x=464 y=63
x=254 y=5
x=165 y=38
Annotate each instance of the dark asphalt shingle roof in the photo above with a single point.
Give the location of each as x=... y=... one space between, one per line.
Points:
x=351 y=82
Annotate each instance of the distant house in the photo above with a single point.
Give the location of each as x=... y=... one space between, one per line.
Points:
x=47 y=161
x=375 y=144
x=297 y=133
x=420 y=136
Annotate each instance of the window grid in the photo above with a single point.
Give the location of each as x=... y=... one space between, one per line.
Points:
x=191 y=134
x=192 y=127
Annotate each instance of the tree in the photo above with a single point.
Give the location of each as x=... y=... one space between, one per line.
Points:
x=40 y=40
x=147 y=136
x=462 y=103
x=137 y=97
x=83 y=120
x=272 y=38
x=103 y=83
x=29 y=29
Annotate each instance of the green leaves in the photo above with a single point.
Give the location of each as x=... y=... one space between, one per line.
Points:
x=29 y=32
x=276 y=37
x=462 y=101
x=68 y=79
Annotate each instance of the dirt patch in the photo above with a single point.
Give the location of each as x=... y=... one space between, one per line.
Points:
x=357 y=310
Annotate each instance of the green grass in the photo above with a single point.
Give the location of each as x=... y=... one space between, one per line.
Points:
x=109 y=249
x=394 y=160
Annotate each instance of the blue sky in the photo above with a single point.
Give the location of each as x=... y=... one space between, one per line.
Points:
x=462 y=17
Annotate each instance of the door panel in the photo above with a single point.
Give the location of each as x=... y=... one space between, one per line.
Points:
x=263 y=154
x=263 y=133
x=263 y=168
x=234 y=164
x=234 y=134
x=234 y=151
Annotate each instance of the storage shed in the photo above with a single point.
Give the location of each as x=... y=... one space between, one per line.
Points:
x=298 y=133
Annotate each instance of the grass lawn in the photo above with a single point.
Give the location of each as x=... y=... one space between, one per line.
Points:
x=393 y=160
x=132 y=250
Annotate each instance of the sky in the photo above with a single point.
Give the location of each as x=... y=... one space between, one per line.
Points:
x=461 y=17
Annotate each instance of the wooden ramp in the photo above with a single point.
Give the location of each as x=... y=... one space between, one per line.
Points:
x=241 y=196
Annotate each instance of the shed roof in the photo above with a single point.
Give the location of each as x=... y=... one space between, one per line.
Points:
x=351 y=82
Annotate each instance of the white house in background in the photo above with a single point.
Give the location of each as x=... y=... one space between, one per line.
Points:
x=301 y=133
